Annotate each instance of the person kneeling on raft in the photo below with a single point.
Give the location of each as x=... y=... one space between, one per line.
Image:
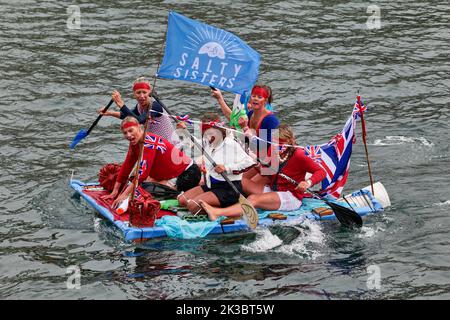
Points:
x=161 y=161
x=275 y=192
x=230 y=159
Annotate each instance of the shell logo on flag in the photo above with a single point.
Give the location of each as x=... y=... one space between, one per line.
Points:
x=213 y=49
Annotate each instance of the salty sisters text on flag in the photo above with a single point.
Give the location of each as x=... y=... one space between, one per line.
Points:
x=200 y=53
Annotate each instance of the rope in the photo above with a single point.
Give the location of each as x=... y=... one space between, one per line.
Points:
x=190 y=121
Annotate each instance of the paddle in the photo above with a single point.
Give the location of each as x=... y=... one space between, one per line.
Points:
x=249 y=212
x=346 y=216
x=83 y=133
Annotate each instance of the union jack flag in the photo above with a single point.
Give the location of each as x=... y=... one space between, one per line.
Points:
x=142 y=167
x=154 y=142
x=334 y=156
x=137 y=194
x=184 y=118
x=314 y=153
x=356 y=113
x=339 y=144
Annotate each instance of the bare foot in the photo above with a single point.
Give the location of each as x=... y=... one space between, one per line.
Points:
x=212 y=212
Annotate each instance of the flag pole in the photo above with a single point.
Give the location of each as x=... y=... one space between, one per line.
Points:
x=363 y=128
x=141 y=149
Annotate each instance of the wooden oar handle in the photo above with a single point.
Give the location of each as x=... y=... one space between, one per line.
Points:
x=316 y=194
x=100 y=116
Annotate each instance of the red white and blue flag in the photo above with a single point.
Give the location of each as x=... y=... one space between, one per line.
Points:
x=137 y=194
x=142 y=167
x=334 y=156
x=154 y=142
x=314 y=152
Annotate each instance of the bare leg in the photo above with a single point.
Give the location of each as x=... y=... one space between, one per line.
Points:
x=163 y=182
x=260 y=179
x=266 y=201
x=208 y=197
x=214 y=212
x=250 y=173
x=188 y=195
x=249 y=186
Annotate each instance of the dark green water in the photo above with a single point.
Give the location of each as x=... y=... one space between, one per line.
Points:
x=315 y=56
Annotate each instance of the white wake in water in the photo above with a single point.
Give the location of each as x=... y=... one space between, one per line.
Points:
x=306 y=243
x=440 y=204
x=369 y=232
x=396 y=140
x=265 y=241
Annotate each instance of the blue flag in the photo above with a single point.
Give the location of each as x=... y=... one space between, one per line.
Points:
x=200 y=53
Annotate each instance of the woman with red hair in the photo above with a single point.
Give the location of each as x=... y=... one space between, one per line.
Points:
x=261 y=121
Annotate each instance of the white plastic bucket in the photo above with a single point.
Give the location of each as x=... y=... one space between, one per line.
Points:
x=380 y=194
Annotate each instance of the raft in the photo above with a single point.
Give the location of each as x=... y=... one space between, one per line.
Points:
x=362 y=201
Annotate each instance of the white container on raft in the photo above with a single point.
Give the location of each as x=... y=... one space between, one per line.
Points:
x=123 y=207
x=380 y=194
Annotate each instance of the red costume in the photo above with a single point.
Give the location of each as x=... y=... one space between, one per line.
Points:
x=161 y=160
x=296 y=168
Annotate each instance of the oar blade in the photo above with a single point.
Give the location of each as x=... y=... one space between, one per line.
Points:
x=249 y=212
x=80 y=136
x=346 y=216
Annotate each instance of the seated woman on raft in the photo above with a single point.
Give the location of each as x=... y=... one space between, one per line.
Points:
x=161 y=161
x=275 y=192
x=229 y=157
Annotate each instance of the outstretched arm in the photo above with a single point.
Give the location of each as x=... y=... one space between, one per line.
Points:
x=108 y=113
x=226 y=110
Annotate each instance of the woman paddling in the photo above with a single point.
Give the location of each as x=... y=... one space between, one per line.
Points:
x=159 y=123
x=229 y=157
x=275 y=192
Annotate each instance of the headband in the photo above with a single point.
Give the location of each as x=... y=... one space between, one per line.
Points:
x=211 y=124
x=260 y=91
x=141 y=85
x=128 y=125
